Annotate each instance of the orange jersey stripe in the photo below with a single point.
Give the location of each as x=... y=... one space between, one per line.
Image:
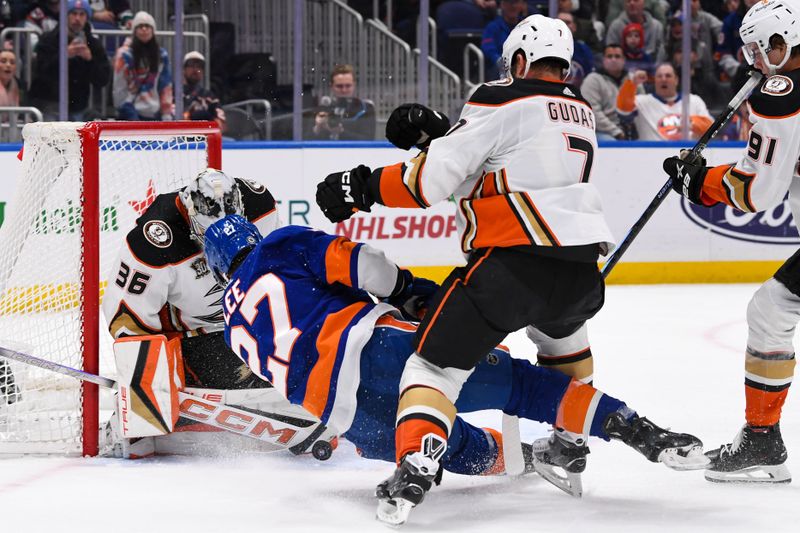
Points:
x=319 y=379
x=496 y=224
x=394 y=192
x=574 y=405
x=409 y=434
x=763 y=408
x=337 y=261
x=392 y=322
x=499 y=466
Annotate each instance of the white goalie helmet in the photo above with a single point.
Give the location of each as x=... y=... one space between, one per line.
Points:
x=765 y=19
x=210 y=197
x=538 y=37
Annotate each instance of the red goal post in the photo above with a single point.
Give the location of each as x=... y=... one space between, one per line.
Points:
x=79 y=193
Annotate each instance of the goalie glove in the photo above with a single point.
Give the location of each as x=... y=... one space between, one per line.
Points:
x=688 y=175
x=411 y=295
x=341 y=194
x=415 y=125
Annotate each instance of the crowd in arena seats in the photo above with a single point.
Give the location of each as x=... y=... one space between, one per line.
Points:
x=645 y=33
x=614 y=40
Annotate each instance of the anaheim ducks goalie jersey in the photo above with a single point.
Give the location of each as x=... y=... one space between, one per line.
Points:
x=518 y=163
x=768 y=168
x=160 y=282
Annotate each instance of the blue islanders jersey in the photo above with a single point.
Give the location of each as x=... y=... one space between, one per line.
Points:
x=295 y=314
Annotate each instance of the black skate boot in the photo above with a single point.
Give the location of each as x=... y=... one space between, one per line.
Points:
x=406 y=488
x=679 y=451
x=756 y=455
x=565 y=451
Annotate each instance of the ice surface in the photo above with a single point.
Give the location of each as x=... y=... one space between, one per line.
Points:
x=674 y=353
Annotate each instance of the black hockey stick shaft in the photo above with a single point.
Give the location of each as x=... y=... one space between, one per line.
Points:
x=700 y=145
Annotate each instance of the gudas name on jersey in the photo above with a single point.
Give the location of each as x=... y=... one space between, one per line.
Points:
x=569 y=112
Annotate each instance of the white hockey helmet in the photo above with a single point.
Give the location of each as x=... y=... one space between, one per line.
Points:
x=765 y=19
x=538 y=37
x=210 y=197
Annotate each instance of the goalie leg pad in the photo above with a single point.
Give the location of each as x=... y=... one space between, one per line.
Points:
x=150 y=376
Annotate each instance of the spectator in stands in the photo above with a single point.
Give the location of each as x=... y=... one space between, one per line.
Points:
x=88 y=65
x=633 y=48
x=634 y=12
x=9 y=85
x=657 y=116
x=585 y=30
x=600 y=88
x=703 y=81
x=199 y=103
x=111 y=14
x=42 y=15
x=582 y=57
x=657 y=8
x=730 y=44
x=342 y=116
x=142 y=77
x=496 y=32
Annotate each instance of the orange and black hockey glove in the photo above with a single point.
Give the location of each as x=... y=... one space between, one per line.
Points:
x=341 y=194
x=415 y=125
x=687 y=176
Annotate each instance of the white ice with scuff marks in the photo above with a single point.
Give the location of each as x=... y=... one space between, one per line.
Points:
x=674 y=353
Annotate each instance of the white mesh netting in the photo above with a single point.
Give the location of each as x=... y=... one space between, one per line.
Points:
x=40 y=267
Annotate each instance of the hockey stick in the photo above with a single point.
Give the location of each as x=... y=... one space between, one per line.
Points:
x=700 y=145
x=287 y=432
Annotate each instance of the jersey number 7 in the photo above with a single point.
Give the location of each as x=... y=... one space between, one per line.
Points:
x=271 y=287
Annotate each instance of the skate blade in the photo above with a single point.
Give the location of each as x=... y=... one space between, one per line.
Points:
x=680 y=460
x=393 y=513
x=754 y=474
x=568 y=482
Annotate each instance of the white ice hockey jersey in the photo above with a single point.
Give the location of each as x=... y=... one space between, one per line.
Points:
x=768 y=169
x=657 y=120
x=160 y=282
x=518 y=163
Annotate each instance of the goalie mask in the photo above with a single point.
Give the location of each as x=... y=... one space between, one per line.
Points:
x=211 y=196
x=765 y=19
x=538 y=37
x=226 y=241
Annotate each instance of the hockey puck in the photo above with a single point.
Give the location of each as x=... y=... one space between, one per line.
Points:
x=322 y=450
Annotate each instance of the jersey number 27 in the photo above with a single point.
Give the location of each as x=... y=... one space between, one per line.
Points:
x=272 y=288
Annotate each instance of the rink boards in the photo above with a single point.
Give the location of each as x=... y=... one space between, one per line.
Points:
x=681 y=243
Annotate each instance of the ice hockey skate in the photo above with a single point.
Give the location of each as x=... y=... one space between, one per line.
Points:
x=406 y=488
x=756 y=455
x=560 y=459
x=678 y=451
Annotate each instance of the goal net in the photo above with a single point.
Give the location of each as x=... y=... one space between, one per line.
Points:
x=80 y=190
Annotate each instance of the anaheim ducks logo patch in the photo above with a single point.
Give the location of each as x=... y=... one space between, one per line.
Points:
x=254 y=186
x=777 y=86
x=158 y=233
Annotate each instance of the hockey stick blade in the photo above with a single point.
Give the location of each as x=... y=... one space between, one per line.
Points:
x=700 y=145
x=295 y=434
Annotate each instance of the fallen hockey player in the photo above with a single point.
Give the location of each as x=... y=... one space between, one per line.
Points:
x=298 y=311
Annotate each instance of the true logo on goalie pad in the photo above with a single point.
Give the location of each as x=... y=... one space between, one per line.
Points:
x=158 y=233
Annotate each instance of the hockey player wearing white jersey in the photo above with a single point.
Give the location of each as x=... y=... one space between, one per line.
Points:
x=161 y=283
x=758 y=181
x=518 y=163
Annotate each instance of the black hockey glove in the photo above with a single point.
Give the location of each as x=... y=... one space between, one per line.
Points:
x=687 y=176
x=343 y=193
x=415 y=125
x=411 y=295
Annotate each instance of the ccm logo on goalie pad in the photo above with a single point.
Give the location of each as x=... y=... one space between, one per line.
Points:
x=235 y=421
